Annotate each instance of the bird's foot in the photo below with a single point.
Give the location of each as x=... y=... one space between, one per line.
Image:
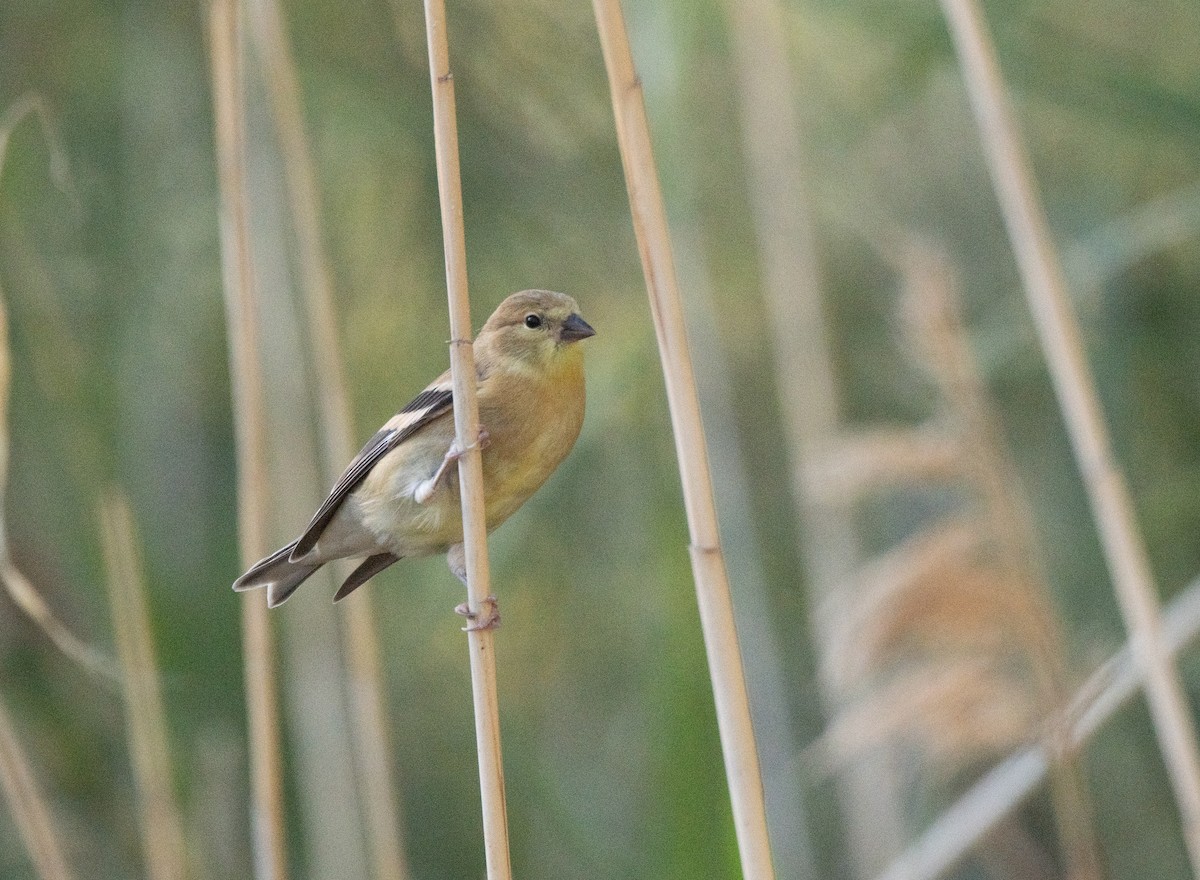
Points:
x=488 y=616
x=425 y=489
x=454 y=453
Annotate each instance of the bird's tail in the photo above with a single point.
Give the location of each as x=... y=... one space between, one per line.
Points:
x=278 y=574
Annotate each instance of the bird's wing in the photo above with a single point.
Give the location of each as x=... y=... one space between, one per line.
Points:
x=434 y=401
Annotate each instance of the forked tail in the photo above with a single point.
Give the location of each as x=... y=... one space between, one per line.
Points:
x=280 y=576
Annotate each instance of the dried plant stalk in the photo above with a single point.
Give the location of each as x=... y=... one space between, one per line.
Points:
x=30 y=601
x=952 y=629
x=960 y=709
x=1061 y=340
x=1004 y=788
x=708 y=562
x=161 y=827
x=933 y=311
x=28 y=807
x=262 y=700
x=805 y=381
x=771 y=686
x=481 y=642
x=20 y=590
x=864 y=461
x=360 y=642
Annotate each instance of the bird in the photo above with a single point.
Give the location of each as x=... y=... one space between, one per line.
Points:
x=399 y=497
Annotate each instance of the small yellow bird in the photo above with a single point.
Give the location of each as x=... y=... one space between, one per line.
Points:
x=400 y=496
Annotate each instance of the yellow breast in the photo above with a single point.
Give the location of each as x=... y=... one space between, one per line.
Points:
x=532 y=425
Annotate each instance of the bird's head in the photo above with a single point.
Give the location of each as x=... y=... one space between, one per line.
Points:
x=534 y=329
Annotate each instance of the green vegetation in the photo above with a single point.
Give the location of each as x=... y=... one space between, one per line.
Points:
x=110 y=272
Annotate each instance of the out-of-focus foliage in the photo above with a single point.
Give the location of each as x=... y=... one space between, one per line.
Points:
x=614 y=767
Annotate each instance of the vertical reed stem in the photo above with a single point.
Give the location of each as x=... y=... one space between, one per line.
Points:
x=28 y=807
x=360 y=642
x=708 y=562
x=262 y=700
x=481 y=642
x=805 y=382
x=162 y=828
x=934 y=285
x=1061 y=340
x=20 y=590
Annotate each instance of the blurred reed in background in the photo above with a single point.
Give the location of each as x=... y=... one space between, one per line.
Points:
x=909 y=538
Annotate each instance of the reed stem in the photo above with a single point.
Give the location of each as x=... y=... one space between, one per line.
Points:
x=1006 y=786
x=145 y=715
x=23 y=593
x=806 y=384
x=241 y=311
x=28 y=806
x=708 y=562
x=481 y=642
x=360 y=641
x=1061 y=340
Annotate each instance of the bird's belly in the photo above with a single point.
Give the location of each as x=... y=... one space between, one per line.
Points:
x=508 y=482
x=410 y=529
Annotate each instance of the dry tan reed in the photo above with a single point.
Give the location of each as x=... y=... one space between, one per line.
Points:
x=1004 y=788
x=771 y=684
x=937 y=591
x=19 y=588
x=882 y=582
x=932 y=311
x=161 y=826
x=805 y=382
x=965 y=593
x=957 y=711
x=266 y=760
x=1062 y=344
x=481 y=642
x=360 y=642
x=862 y=462
x=708 y=563
x=25 y=800
x=28 y=805
x=913 y=640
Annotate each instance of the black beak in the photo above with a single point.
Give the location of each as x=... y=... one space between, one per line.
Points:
x=574 y=329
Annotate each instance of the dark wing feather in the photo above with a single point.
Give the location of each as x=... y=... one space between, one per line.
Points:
x=250 y=579
x=434 y=401
x=370 y=567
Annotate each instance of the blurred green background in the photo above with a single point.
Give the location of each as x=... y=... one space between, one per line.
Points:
x=112 y=280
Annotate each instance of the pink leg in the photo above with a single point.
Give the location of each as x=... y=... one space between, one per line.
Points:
x=489 y=614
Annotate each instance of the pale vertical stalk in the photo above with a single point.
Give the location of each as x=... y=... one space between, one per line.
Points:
x=314 y=707
x=360 y=643
x=25 y=801
x=279 y=71
x=804 y=378
x=373 y=746
x=772 y=691
x=262 y=699
x=145 y=716
x=481 y=642
x=1061 y=340
x=708 y=563
x=932 y=278
x=24 y=595
x=28 y=807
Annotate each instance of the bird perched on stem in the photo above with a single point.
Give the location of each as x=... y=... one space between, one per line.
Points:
x=400 y=495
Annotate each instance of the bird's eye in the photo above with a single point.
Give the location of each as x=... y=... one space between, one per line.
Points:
x=533 y=321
